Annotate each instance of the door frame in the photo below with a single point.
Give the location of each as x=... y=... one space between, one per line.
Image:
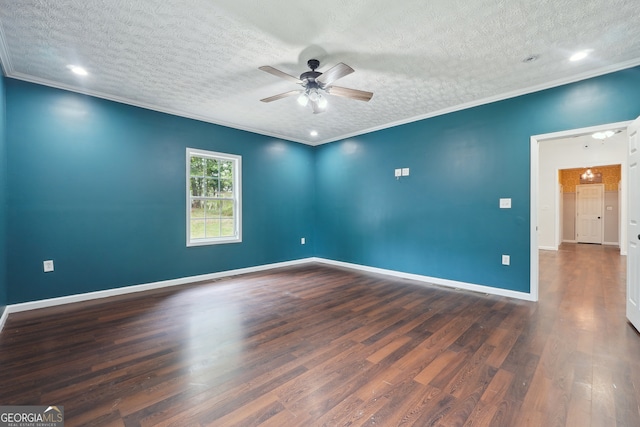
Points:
x=533 y=195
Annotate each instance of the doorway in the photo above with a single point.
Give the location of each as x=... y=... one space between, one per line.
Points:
x=572 y=149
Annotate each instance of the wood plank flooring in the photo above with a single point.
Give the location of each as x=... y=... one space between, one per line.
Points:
x=320 y=346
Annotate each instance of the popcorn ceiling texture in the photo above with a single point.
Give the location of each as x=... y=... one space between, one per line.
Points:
x=200 y=58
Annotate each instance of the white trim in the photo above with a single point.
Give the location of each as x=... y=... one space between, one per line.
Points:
x=5 y=63
x=51 y=302
x=533 y=202
x=430 y=280
x=581 y=131
x=611 y=243
x=151 y=107
x=9 y=72
x=533 y=214
x=4 y=317
x=558 y=220
x=548 y=248
x=237 y=196
x=569 y=241
x=507 y=95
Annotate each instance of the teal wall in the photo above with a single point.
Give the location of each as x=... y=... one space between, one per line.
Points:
x=443 y=220
x=99 y=188
x=3 y=204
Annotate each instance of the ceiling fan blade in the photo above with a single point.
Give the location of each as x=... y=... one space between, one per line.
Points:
x=334 y=73
x=281 y=95
x=360 y=95
x=280 y=74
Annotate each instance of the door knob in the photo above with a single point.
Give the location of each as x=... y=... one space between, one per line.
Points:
x=598 y=217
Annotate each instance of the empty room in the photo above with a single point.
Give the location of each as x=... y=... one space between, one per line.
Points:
x=286 y=213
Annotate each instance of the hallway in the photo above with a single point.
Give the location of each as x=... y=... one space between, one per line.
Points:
x=591 y=360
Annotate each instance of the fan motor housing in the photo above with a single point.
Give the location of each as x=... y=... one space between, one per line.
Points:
x=310 y=76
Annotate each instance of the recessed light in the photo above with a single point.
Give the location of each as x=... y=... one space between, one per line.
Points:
x=579 y=55
x=313 y=133
x=78 y=70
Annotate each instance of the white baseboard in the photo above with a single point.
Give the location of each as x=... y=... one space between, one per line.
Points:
x=569 y=241
x=548 y=248
x=611 y=243
x=33 y=305
x=51 y=302
x=432 y=280
x=3 y=318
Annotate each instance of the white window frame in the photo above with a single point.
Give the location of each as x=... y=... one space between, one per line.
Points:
x=237 y=196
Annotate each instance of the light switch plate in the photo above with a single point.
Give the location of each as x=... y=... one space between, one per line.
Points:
x=505 y=203
x=506 y=260
x=405 y=171
x=48 y=266
x=398 y=172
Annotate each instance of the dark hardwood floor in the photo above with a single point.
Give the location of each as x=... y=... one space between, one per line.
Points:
x=315 y=345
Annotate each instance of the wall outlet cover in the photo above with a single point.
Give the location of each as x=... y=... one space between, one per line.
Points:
x=506 y=260
x=398 y=172
x=505 y=203
x=48 y=266
x=405 y=171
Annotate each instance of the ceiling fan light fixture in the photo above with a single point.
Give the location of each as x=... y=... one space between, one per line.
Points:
x=603 y=135
x=314 y=95
x=303 y=99
x=322 y=102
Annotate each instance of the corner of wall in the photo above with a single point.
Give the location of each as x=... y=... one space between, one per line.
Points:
x=3 y=201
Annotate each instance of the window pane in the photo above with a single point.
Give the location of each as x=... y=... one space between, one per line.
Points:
x=226 y=188
x=228 y=228
x=226 y=169
x=211 y=189
x=197 y=186
x=213 y=227
x=197 y=229
x=227 y=209
x=197 y=166
x=197 y=209
x=212 y=168
x=213 y=209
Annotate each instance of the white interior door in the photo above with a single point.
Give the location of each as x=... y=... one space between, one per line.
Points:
x=633 y=227
x=589 y=207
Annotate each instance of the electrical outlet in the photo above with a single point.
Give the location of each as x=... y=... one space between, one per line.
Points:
x=506 y=260
x=505 y=203
x=303 y=241
x=48 y=266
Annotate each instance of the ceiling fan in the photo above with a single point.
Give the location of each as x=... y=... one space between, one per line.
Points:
x=315 y=83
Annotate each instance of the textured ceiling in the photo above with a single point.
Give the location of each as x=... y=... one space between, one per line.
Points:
x=200 y=58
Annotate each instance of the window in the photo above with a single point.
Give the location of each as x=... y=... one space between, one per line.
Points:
x=213 y=198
